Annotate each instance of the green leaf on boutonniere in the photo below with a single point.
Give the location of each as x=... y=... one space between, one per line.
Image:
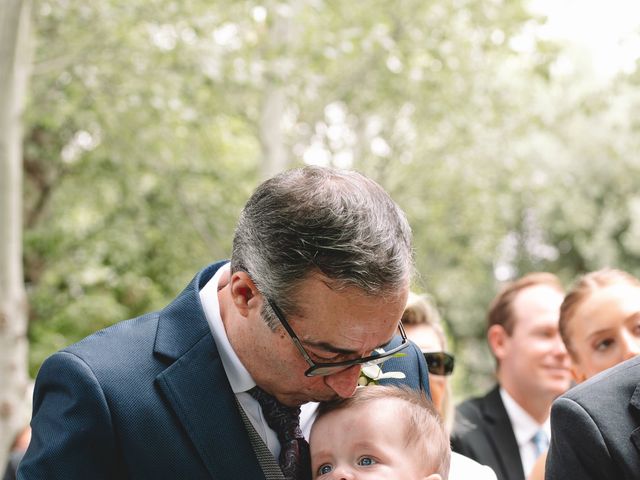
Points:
x=372 y=374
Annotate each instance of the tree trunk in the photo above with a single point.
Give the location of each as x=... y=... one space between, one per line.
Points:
x=274 y=153
x=15 y=60
x=272 y=138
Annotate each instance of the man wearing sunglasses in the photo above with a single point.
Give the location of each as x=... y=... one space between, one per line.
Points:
x=210 y=387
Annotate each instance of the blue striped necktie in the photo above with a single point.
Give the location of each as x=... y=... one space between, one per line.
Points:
x=540 y=442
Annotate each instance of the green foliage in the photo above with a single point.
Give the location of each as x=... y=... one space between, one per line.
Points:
x=134 y=180
x=143 y=141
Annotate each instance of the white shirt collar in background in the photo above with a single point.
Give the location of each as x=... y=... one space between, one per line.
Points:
x=524 y=428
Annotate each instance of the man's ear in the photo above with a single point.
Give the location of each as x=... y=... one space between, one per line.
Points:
x=497 y=337
x=243 y=290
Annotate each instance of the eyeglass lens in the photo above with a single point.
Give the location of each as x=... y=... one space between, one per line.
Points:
x=323 y=370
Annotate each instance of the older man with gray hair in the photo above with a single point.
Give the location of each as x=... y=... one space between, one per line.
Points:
x=211 y=386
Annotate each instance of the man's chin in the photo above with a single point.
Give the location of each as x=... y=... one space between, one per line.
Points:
x=558 y=386
x=558 y=374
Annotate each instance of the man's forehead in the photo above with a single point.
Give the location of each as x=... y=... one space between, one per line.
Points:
x=340 y=285
x=316 y=292
x=341 y=315
x=346 y=334
x=536 y=298
x=344 y=329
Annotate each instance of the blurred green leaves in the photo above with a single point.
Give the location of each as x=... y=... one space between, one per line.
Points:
x=146 y=133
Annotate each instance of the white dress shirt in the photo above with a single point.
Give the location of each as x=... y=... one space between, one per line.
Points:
x=524 y=429
x=239 y=378
x=464 y=468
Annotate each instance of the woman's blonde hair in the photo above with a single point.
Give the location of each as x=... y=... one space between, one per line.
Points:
x=420 y=310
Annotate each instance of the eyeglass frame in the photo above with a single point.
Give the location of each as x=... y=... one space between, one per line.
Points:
x=448 y=359
x=312 y=371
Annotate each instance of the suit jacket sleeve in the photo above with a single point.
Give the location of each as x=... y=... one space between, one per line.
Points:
x=577 y=449
x=72 y=431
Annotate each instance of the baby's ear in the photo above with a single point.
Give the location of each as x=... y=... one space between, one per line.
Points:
x=433 y=476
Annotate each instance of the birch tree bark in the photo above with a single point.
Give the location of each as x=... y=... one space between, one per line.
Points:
x=15 y=60
x=270 y=129
x=274 y=153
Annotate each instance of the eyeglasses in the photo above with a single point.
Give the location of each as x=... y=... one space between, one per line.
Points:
x=439 y=363
x=324 y=369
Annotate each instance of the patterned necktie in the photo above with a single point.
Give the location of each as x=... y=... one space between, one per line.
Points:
x=540 y=442
x=285 y=421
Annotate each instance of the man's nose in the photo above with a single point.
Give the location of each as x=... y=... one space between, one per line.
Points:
x=344 y=382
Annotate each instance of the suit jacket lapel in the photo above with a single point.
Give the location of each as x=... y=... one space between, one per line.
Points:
x=501 y=435
x=634 y=407
x=196 y=387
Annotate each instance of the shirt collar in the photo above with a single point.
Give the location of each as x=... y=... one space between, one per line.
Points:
x=524 y=425
x=239 y=377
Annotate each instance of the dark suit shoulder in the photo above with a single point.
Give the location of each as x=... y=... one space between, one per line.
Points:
x=474 y=411
x=470 y=408
x=467 y=424
x=122 y=342
x=119 y=359
x=624 y=377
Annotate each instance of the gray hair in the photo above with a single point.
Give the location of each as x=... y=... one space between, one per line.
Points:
x=338 y=223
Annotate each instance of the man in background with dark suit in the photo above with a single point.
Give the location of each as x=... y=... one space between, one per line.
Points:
x=595 y=428
x=211 y=386
x=509 y=427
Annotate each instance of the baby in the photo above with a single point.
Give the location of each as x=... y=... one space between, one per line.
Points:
x=382 y=432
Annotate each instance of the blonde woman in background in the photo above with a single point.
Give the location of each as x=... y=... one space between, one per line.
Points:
x=424 y=327
x=600 y=326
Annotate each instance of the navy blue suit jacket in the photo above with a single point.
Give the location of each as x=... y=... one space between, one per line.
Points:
x=148 y=398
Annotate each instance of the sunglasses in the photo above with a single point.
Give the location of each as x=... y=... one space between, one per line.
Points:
x=439 y=363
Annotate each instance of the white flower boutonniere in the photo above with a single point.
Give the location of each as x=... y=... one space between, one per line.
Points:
x=371 y=374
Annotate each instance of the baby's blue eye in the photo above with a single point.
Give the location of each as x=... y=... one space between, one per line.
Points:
x=366 y=461
x=324 y=469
